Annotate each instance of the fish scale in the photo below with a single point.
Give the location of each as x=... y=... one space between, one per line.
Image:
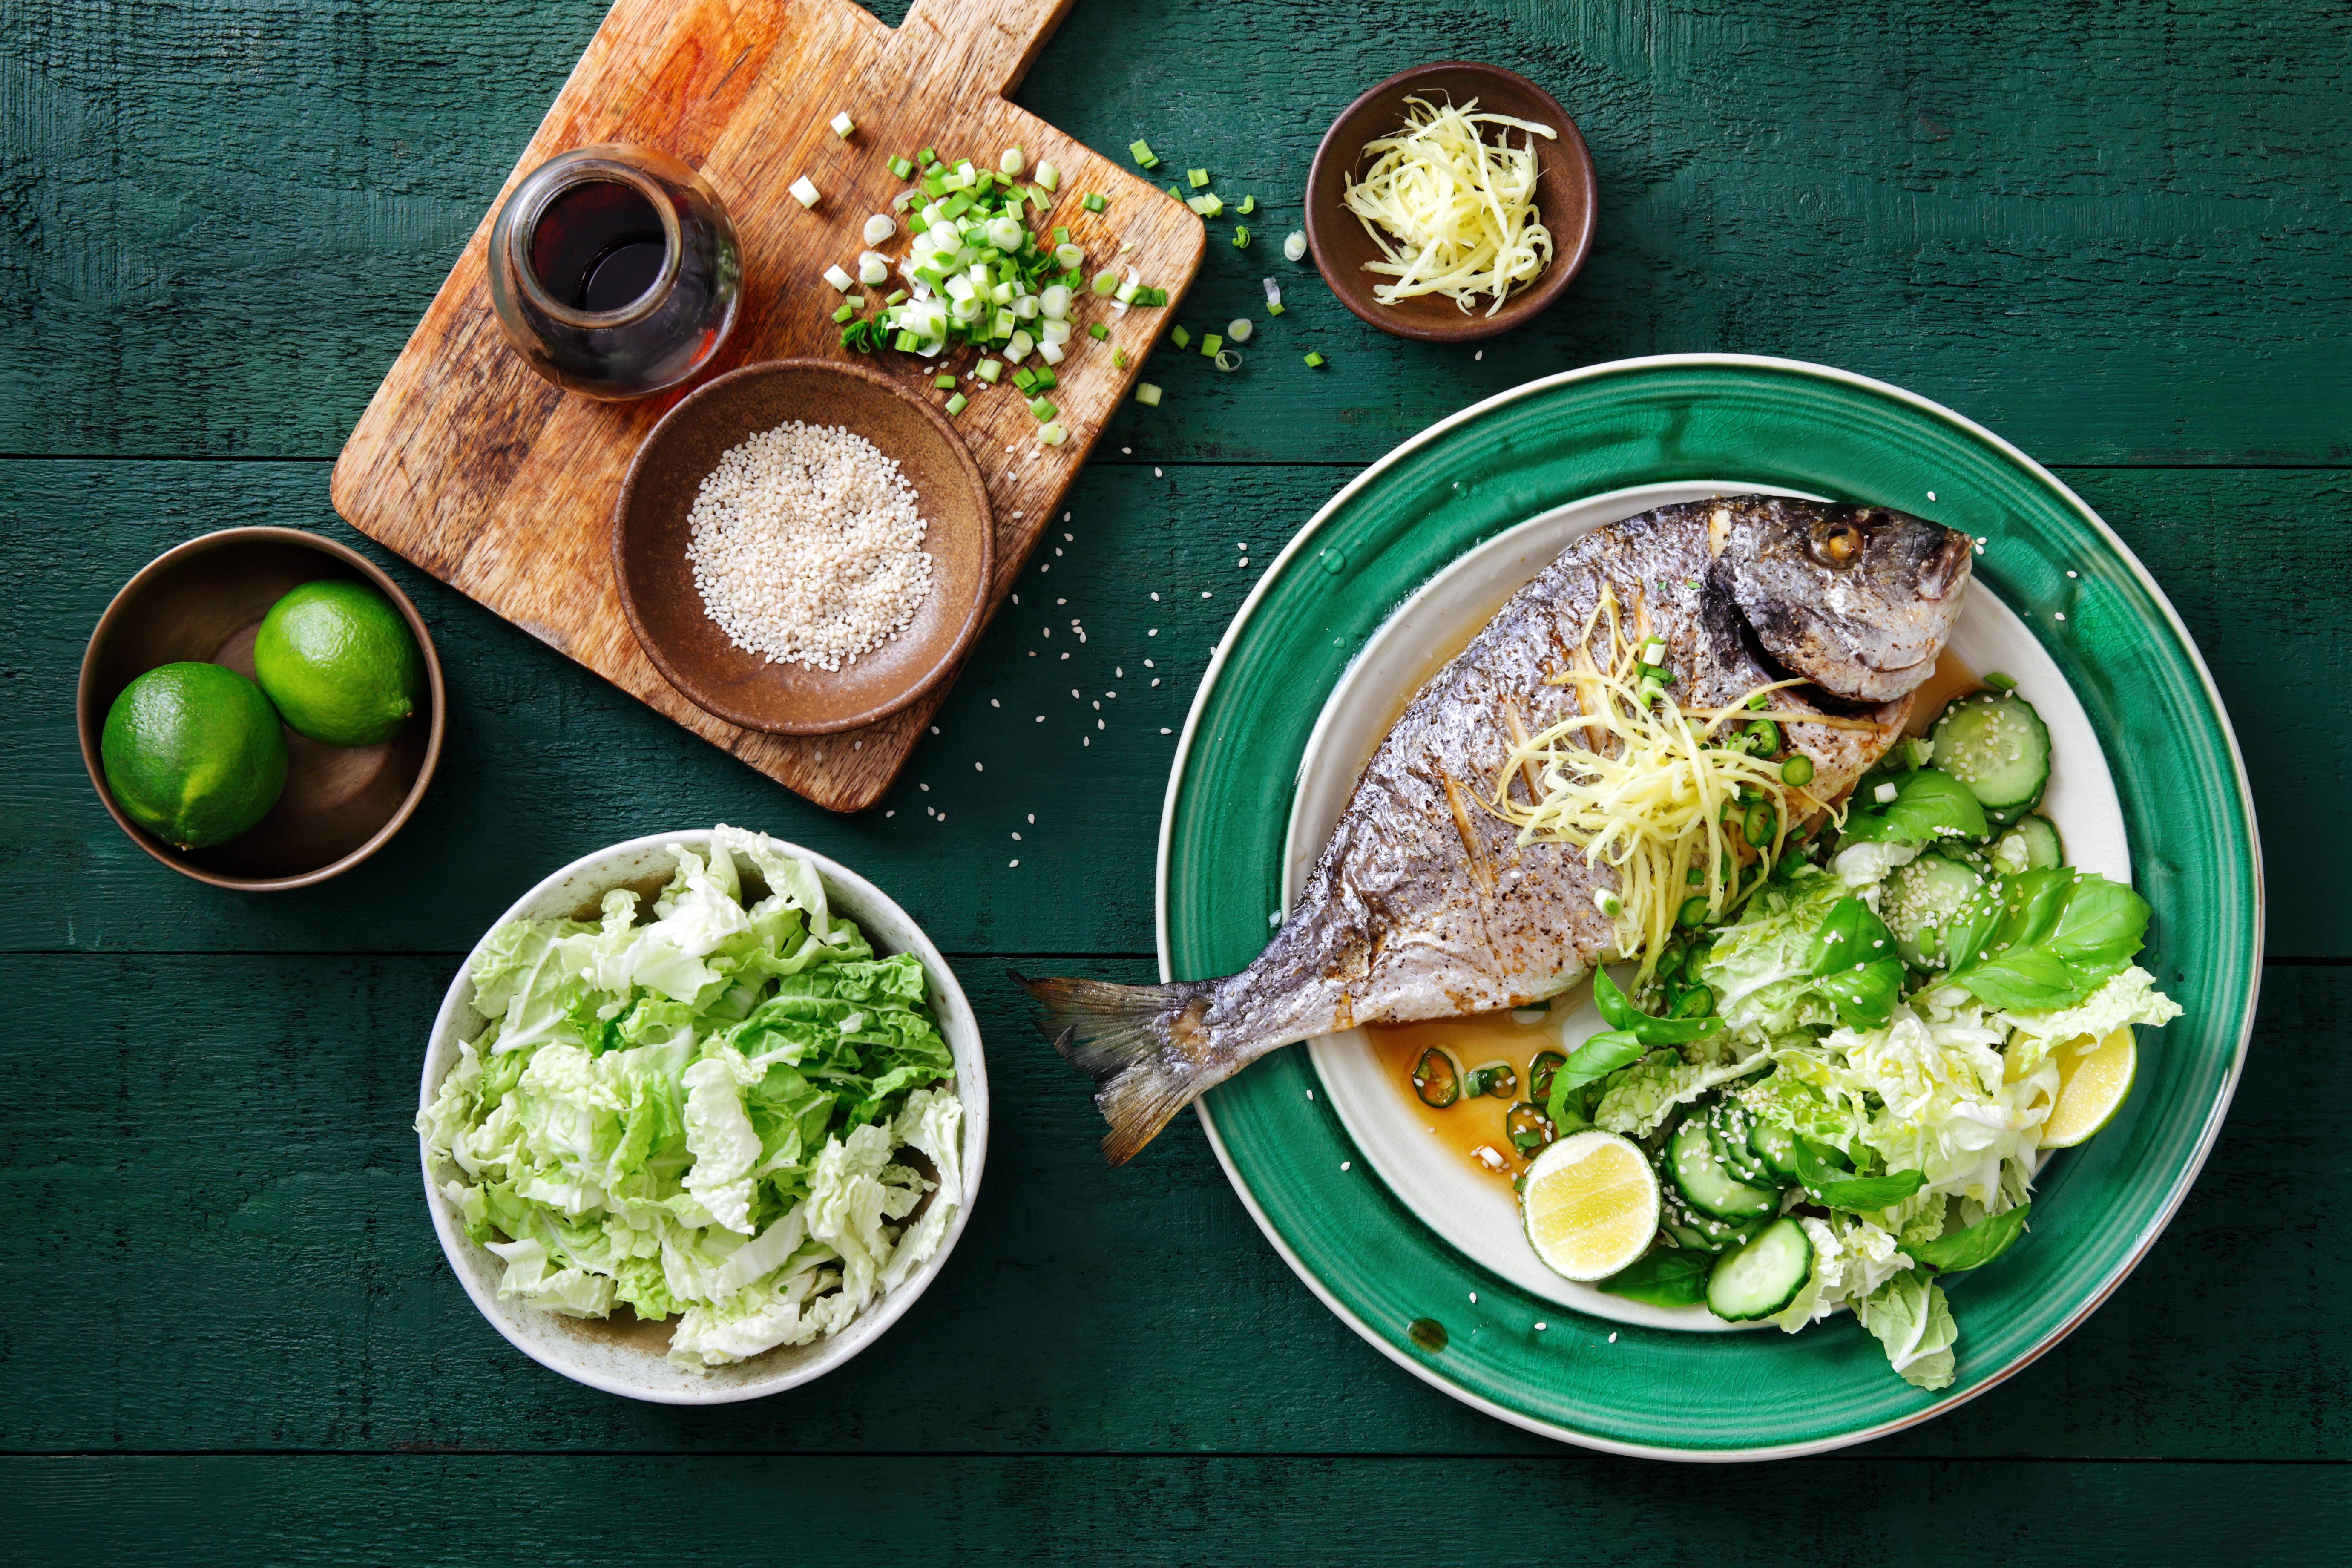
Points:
x=1424 y=903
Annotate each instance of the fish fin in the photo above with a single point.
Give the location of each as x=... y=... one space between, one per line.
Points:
x=1121 y=1035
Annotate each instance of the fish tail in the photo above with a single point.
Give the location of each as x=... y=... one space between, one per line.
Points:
x=1122 y=1036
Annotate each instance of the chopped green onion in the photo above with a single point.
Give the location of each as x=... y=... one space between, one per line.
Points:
x=1239 y=330
x=1228 y=361
x=943 y=383
x=1010 y=161
x=1180 y=337
x=1097 y=332
x=1142 y=152
x=896 y=296
x=1068 y=256
x=1199 y=178
x=1210 y=345
x=1041 y=409
x=1760 y=701
x=1092 y=202
x=957 y=403
x=1294 y=245
x=1210 y=205
x=2000 y=683
x=1313 y=360
x=1026 y=380
x=1049 y=177
x=1147 y=393
x=901 y=170
x=842 y=125
x=1240 y=236
x=803 y=192
x=1273 y=307
x=1798 y=770
x=1053 y=435
x=1119 y=357
x=1106 y=280
x=1044 y=380
x=842 y=282
x=988 y=370
x=927 y=157
x=845 y=313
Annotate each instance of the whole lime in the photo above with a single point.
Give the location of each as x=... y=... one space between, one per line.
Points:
x=194 y=753
x=339 y=663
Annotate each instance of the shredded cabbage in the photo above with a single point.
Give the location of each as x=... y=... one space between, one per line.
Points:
x=699 y=1116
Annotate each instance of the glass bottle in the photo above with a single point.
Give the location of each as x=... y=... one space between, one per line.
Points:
x=615 y=270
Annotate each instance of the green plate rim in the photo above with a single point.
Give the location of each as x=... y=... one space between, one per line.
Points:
x=2161 y=1216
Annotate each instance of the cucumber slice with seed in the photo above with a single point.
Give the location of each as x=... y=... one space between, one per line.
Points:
x=1995 y=743
x=1761 y=1278
x=1707 y=1183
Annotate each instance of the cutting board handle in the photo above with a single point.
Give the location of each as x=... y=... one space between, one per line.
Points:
x=977 y=46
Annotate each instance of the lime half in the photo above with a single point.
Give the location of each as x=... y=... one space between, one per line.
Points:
x=1591 y=1205
x=339 y=663
x=193 y=753
x=2092 y=1087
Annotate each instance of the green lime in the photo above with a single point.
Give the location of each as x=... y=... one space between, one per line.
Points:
x=339 y=663
x=194 y=753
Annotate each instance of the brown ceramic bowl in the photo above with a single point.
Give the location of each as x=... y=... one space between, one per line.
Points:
x=1564 y=187
x=204 y=600
x=656 y=583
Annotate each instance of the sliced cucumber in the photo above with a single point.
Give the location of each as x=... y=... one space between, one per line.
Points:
x=1727 y=1132
x=1704 y=1233
x=1704 y=1180
x=2031 y=845
x=1763 y=1276
x=1775 y=1145
x=1995 y=743
x=1921 y=899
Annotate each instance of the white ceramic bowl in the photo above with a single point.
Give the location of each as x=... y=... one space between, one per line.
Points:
x=629 y=1359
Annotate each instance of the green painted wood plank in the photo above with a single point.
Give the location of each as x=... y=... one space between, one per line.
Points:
x=2112 y=233
x=218 y=1243
x=545 y=762
x=1180 y=1512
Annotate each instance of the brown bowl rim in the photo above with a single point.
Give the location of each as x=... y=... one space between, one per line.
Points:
x=399 y=818
x=1565 y=264
x=948 y=662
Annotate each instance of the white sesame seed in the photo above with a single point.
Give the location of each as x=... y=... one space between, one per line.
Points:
x=1931 y=495
x=1205 y=593
x=891 y=812
x=805 y=543
x=1167 y=732
x=1155 y=598
x=1540 y=1327
x=1155 y=473
x=1343 y=1165
x=1032 y=819
x=978 y=769
x=1473 y=1298
x=1310 y=1094
x=924 y=787
x=993 y=702
x=1613 y=1338
x=1148 y=665
x=1015 y=862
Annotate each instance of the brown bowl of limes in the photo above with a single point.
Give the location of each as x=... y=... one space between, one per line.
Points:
x=260 y=708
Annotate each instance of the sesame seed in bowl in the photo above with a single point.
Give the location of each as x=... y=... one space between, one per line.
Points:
x=802 y=546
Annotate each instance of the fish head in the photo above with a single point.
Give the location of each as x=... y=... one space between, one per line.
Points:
x=1857 y=599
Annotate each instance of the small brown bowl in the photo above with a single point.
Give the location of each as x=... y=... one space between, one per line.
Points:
x=204 y=600
x=1564 y=196
x=650 y=536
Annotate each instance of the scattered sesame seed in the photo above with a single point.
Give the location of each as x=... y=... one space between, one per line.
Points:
x=1152 y=632
x=1165 y=730
x=924 y=787
x=1931 y=495
x=1540 y=1328
x=2061 y=615
x=1205 y=593
x=1244 y=561
x=1015 y=862
x=1041 y=718
x=1155 y=473
x=893 y=811
x=1310 y=1094
x=1016 y=837
x=978 y=769
x=1473 y=1298
x=1343 y=1165
x=1155 y=598
x=1613 y=1338
x=1148 y=665
x=993 y=702
x=1482 y=354
x=1155 y=681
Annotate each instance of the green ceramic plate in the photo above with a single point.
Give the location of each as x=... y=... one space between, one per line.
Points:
x=2177 y=772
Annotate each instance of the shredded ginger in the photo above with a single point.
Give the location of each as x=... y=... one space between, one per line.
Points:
x=1646 y=791
x=1454 y=215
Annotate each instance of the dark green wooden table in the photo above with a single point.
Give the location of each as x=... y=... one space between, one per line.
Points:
x=2116 y=233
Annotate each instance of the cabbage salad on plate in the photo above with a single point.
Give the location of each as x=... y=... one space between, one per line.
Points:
x=702 y=1115
x=1844 y=1086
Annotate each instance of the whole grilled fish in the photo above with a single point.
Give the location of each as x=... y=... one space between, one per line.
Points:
x=1425 y=904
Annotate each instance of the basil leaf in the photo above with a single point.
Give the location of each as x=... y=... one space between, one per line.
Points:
x=1666 y=1276
x=2032 y=902
x=1927 y=806
x=1865 y=996
x=2102 y=926
x=1621 y=1014
x=1856 y=1193
x=1850 y=934
x=1974 y=1246
x=2028 y=980
x=1588 y=1063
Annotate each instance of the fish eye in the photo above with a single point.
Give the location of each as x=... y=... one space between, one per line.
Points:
x=1836 y=544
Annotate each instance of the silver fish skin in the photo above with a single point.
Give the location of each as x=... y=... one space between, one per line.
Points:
x=1423 y=904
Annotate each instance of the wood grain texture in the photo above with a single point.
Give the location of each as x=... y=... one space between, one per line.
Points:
x=503 y=487
x=2114 y=233
x=544 y=763
x=1177 y=1510
x=229 y=1173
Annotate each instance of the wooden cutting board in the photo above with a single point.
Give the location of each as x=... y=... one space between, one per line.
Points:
x=502 y=486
